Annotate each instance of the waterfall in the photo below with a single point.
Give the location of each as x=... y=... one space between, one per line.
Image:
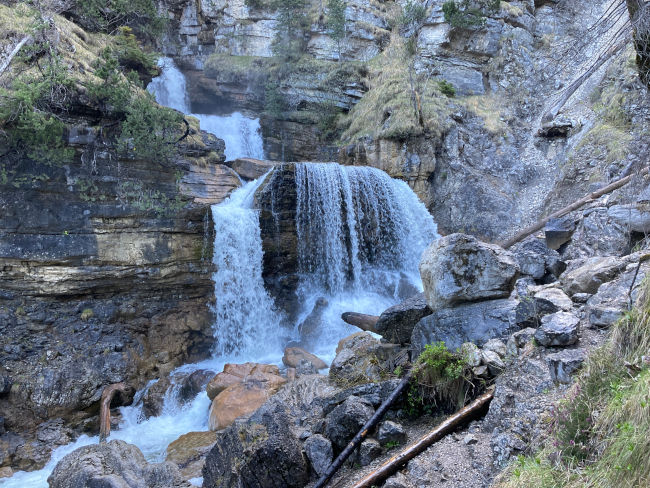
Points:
x=246 y=322
x=241 y=134
x=355 y=222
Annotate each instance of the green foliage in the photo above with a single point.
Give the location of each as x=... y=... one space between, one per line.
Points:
x=274 y=103
x=113 y=93
x=336 y=21
x=446 y=88
x=291 y=25
x=86 y=314
x=108 y=15
x=469 y=13
x=392 y=445
x=440 y=380
x=149 y=131
x=254 y=3
x=413 y=14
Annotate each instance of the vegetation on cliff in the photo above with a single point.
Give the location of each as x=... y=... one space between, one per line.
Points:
x=598 y=434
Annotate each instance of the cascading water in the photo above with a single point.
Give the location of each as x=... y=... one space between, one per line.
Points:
x=241 y=134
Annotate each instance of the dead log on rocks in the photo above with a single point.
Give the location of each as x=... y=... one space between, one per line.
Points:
x=361 y=320
x=105 y=408
x=449 y=425
x=13 y=53
x=363 y=433
x=574 y=206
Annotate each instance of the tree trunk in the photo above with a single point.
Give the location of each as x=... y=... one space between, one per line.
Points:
x=639 y=11
x=105 y=409
x=361 y=320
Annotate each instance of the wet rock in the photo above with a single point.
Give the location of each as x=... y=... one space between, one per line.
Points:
x=262 y=452
x=392 y=432
x=493 y=362
x=396 y=323
x=558 y=329
x=460 y=268
x=188 y=452
x=588 y=277
x=6 y=472
x=112 y=465
x=249 y=168
x=194 y=384
x=154 y=399
x=369 y=450
x=294 y=355
x=562 y=365
x=319 y=452
x=470 y=322
x=310 y=328
x=558 y=232
x=346 y=420
x=360 y=358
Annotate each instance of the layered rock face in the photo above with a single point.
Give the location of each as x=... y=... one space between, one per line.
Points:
x=105 y=274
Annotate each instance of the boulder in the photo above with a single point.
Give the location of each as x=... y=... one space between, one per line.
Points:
x=469 y=322
x=6 y=472
x=294 y=355
x=593 y=273
x=597 y=234
x=262 y=452
x=558 y=232
x=188 y=452
x=471 y=353
x=233 y=374
x=194 y=384
x=342 y=423
x=554 y=295
x=311 y=327
x=530 y=310
x=558 y=329
x=319 y=452
x=635 y=217
x=236 y=401
x=115 y=464
x=396 y=323
x=154 y=399
x=537 y=260
x=494 y=363
x=562 y=365
x=369 y=450
x=459 y=268
x=360 y=358
x=392 y=432
x=519 y=340
x=497 y=346
x=249 y=168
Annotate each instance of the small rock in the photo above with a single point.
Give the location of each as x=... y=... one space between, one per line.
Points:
x=493 y=362
x=154 y=398
x=581 y=297
x=558 y=329
x=480 y=371
x=470 y=439
x=6 y=472
x=396 y=481
x=530 y=311
x=565 y=363
x=368 y=452
x=519 y=340
x=319 y=452
x=396 y=323
x=391 y=432
x=495 y=345
x=471 y=353
x=305 y=368
x=293 y=356
x=556 y=296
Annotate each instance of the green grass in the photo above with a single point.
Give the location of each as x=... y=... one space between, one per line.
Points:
x=599 y=433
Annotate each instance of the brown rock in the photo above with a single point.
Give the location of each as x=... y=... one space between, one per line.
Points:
x=236 y=401
x=188 y=452
x=6 y=472
x=251 y=169
x=236 y=373
x=293 y=356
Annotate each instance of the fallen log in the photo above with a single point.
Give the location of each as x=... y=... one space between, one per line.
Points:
x=449 y=425
x=105 y=408
x=574 y=206
x=361 y=320
x=13 y=53
x=363 y=433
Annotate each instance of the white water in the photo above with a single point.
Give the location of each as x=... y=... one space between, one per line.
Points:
x=241 y=134
x=361 y=236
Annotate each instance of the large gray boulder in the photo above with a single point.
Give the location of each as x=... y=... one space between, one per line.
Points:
x=593 y=273
x=115 y=464
x=397 y=322
x=262 y=452
x=460 y=268
x=537 y=260
x=346 y=420
x=558 y=329
x=469 y=322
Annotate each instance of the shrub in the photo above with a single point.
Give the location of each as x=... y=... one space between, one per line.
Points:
x=108 y=15
x=446 y=88
x=413 y=14
x=467 y=13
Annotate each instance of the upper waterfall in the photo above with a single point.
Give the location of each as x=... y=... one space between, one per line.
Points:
x=241 y=134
